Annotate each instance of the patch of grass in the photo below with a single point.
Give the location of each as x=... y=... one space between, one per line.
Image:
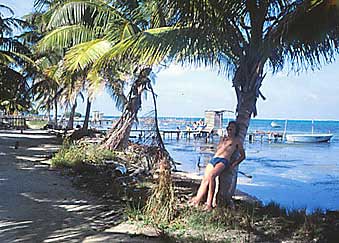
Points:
x=36 y=124
x=73 y=156
x=247 y=221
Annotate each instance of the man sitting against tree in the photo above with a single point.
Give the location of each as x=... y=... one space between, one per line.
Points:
x=220 y=162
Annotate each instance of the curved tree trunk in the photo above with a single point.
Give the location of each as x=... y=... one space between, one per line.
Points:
x=88 y=110
x=247 y=82
x=117 y=138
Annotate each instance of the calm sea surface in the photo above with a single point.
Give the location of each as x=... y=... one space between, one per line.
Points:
x=293 y=175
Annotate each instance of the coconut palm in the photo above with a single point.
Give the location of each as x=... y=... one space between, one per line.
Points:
x=245 y=40
x=108 y=25
x=51 y=76
x=14 y=95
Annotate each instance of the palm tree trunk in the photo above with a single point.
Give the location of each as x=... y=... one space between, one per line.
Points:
x=119 y=134
x=247 y=84
x=48 y=113
x=117 y=138
x=88 y=110
x=55 y=113
x=71 y=116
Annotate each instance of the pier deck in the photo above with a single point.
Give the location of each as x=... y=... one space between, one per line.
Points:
x=193 y=134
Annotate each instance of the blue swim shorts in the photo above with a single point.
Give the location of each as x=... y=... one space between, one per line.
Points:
x=216 y=160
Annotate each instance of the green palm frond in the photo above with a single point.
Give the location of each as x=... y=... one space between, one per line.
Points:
x=81 y=56
x=307 y=38
x=151 y=47
x=129 y=31
x=5 y=58
x=65 y=37
x=95 y=83
x=87 y=12
x=116 y=91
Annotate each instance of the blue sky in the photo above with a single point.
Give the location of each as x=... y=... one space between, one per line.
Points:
x=188 y=92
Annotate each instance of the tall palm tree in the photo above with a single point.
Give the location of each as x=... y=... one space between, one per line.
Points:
x=14 y=95
x=66 y=86
x=245 y=40
x=112 y=24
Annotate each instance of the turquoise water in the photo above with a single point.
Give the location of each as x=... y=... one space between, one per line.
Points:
x=293 y=175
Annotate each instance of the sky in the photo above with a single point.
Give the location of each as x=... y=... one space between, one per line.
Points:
x=188 y=92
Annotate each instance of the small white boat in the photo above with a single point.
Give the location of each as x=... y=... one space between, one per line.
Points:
x=309 y=138
x=275 y=125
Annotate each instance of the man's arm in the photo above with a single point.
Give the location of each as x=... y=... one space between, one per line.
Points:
x=222 y=139
x=241 y=157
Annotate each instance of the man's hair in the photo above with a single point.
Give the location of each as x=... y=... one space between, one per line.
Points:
x=236 y=127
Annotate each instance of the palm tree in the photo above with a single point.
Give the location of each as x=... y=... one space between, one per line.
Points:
x=51 y=77
x=112 y=24
x=14 y=88
x=245 y=40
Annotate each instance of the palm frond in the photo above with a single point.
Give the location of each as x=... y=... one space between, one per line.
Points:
x=307 y=37
x=5 y=58
x=65 y=37
x=82 y=55
x=86 y=12
x=151 y=47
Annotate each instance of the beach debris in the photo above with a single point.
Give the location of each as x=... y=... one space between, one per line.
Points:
x=161 y=205
x=244 y=174
x=120 y=170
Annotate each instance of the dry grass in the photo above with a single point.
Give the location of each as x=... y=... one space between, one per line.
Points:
x=160 y=206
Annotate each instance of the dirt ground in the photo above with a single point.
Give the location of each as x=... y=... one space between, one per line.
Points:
x=39 y=204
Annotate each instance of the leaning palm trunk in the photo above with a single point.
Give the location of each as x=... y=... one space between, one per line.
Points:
x=160 y=206
x=247 y=82
x=117 y=138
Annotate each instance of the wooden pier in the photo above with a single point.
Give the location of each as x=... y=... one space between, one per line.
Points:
x=265 y=136
x=257 y=136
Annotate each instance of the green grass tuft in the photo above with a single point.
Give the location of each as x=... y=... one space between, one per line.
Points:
x=72 y=156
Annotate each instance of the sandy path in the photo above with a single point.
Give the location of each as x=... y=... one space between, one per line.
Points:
x=38 y=204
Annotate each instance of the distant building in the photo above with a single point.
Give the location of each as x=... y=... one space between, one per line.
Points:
x=214 y=120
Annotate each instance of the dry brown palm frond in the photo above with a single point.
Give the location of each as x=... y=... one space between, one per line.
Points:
x=161 y=205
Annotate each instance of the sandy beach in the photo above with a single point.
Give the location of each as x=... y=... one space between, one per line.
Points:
x=39 y=204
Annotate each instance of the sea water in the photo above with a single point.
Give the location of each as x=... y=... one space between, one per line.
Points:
x=295 y=175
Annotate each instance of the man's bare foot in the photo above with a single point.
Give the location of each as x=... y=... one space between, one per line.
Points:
x=207 y=208
x=193 y=202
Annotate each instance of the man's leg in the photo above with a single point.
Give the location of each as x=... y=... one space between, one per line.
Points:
x=204 y=185
x=219 y=167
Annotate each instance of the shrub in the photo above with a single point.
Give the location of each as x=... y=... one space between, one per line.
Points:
x=76 y=155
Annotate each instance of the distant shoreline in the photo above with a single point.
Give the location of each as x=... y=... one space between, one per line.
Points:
x=225 y=118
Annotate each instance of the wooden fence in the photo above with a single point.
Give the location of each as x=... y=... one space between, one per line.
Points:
x=13 y=122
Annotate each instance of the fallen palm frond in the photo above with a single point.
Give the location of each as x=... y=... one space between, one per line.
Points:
x=160 y=207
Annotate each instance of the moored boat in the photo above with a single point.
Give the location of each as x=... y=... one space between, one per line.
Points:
x=275 y=125
x=309 y=138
